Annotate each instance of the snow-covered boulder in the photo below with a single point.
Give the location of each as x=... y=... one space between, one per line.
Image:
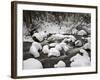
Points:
x=78 y=43
x=56 y=37
x=66 y=40
x=64 y=46
x=72 y=38
x=61 y=46
x=80 y=60
x=34 y=49
x=40 y=35
x=45 y=49
x=32 y=64
x=58 y=47
x=37 y=36
x=69 y=38
x=27 y=39
x=76 y=61
x=54 y=52
x=74 y=31
x=60 y=64
x=82 y=32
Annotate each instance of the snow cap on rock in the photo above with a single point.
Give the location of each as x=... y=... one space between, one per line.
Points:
x=78 y=43
x=37 y=45
x=82 y=32
x=45 y=49
x=64 y=46
x=60 y=64
x=34 y=49
x=54 y=52
x=58 y=47
x=40 y=36
x=69 y=38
